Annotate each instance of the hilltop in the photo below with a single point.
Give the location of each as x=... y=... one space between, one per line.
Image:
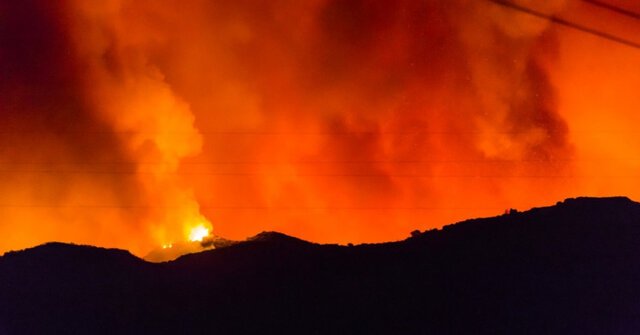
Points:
x=564 y=269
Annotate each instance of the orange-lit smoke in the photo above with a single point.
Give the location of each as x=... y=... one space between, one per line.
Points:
x=126 y=123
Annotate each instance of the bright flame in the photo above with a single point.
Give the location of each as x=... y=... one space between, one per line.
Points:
x=197 y=228
x=198 y=233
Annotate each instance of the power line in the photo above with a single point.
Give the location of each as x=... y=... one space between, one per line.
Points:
x=569 y=24
x=319 y=162
x=207 y=166
x=264 y=208
x=284 y=133
x=316 y=133
x=337 y=175
x=619 y=10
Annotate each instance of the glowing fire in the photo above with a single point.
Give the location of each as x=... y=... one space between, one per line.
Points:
x=198 y=233
x=197 y=228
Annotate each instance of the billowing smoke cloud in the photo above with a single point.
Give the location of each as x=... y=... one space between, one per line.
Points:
x=48 y=126
x=87 y=111
x=332 y=120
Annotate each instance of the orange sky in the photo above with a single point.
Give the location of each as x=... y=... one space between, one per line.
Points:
x=125 y=123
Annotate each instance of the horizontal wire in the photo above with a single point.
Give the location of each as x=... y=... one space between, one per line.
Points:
x=333 y=175
x=278 y=133
x=483 y=161
x=247 y=207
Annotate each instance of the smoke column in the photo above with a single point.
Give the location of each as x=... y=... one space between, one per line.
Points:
x=126 y=123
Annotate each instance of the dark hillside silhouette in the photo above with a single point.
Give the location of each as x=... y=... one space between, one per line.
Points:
x=572 y=268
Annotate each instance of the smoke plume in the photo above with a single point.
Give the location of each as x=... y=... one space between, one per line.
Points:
x=125 y=123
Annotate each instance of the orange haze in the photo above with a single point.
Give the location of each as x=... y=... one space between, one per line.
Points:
x=127 y=123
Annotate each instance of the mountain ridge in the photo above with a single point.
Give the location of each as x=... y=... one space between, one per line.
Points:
x=274 y=236
x=563 y=269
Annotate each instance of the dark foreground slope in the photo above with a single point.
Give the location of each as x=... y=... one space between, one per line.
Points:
x=573 y=268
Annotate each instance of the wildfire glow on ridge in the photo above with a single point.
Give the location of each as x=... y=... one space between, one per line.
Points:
x=198 y=233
